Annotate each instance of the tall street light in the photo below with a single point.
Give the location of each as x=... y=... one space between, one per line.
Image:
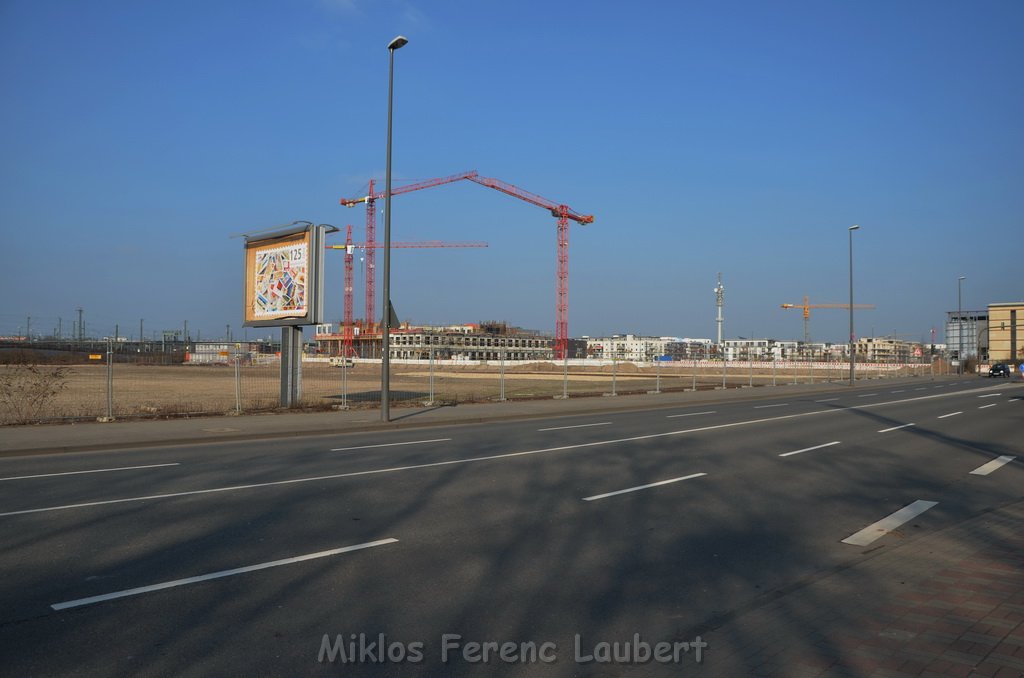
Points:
x=959 y=326
x=385 y=371
x=851 y=229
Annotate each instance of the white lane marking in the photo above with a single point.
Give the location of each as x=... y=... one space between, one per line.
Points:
x=867 y=395
x=507 y=455
x=902 y=390
x=889 y=523
x=985 y=407
x=951 y=414
x=560 y=428
x=826 y=400
x=761 y=407
x=1013 y=400
x=808 y=449
x=216 y=575
x=689 y=414
x=990 y=395
x=643 y=487
x=410 y=442
x=894 y=428
x=993 y=465
x=98 y=470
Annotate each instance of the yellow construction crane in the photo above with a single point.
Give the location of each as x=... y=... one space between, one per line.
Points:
x=807 y=313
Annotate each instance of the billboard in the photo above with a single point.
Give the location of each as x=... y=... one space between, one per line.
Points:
x=284 y=277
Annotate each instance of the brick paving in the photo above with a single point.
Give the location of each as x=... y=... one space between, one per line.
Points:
x=945 y=604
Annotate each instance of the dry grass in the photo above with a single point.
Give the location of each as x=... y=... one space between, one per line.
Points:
x=166 y=390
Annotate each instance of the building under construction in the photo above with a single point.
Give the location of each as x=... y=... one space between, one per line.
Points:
x=489 y=340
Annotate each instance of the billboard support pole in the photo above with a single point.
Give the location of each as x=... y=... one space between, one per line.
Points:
x=291 y=366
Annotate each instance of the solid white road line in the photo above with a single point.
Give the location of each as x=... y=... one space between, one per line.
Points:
x=98 y=470
x=951 y=414
x=990 y=395
x=993 y=465
x=985 y=407
x=370 y=447
x=761 y=407
x=470 y=460
x=888 y=524
x=808 y=449
x=643 y=487
x=826 y=400
x=216 y=575
x=688 y=414
x=894 y=428
x=562 y=428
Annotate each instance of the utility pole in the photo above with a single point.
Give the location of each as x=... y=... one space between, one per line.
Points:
x=28 y=328
x=60 y=329
x=184 y=337
x=142 y=337
x=81 y=328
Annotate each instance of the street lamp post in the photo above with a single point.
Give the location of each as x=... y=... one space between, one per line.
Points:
x=959 y=326
x=851 y=229
x=385 y=370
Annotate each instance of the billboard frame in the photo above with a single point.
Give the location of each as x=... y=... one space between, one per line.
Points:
x=310 y=239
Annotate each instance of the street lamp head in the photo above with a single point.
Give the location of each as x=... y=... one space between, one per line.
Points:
x=398 y=43
x=963 y=277
x=855 y=227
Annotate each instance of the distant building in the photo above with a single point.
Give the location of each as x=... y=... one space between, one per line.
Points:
x=966 y=327
x=633 y=348
x=889 y=350
x=491 y=340
x=220 y=353
x=1006 y=332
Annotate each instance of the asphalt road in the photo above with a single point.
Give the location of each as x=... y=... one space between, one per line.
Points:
x=238 y=558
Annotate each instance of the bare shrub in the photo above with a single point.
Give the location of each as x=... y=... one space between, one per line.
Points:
x=26 y=390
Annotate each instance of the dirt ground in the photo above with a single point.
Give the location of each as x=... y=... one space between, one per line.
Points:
x=165 y=390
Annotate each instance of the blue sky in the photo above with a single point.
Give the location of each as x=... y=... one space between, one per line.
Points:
x=741 y=137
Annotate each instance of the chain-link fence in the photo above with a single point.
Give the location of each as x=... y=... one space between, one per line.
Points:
x=119 y=386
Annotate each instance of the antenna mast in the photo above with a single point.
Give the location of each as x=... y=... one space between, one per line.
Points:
x=719 y=298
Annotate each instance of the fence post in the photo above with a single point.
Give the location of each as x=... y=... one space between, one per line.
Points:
x=344 y=382
x=238 y=380
x=614 y=368
x=110 y=381
x=431 y=401
x=773 y=369
x=565 y=376
x=502 y=371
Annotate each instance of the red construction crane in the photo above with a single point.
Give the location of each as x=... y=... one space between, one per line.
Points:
x=371 y=228
x=563 y=213
x=348 y=333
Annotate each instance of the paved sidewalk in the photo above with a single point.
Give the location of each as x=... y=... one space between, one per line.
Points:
x=49 y=438
x=945 y=604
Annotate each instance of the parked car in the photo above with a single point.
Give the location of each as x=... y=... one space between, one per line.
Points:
x=1000 y=370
